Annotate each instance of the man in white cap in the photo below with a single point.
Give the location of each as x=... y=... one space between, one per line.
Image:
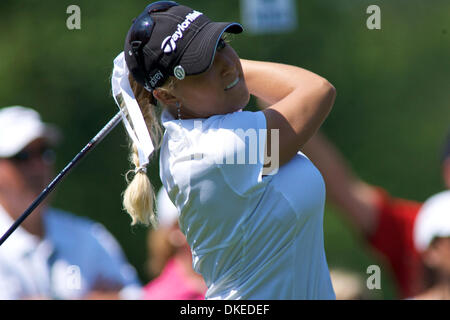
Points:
x=432 y=235
x=432 y=240
x=53 y=254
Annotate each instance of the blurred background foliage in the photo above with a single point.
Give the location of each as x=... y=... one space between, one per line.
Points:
x=389 y=120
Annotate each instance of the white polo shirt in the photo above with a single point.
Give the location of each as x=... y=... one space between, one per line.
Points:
x=251 y=236
x=75 y=255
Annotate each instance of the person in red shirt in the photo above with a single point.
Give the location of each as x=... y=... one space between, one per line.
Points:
x=385 y=221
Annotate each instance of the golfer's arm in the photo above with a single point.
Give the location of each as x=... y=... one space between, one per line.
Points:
x=299 y=102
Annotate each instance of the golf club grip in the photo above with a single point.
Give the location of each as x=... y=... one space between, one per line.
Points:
x=94 y=141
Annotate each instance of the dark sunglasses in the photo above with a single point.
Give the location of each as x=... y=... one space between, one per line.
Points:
x=45 y=153
x=141 y=32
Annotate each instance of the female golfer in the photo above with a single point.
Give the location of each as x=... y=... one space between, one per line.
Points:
x=251 y=205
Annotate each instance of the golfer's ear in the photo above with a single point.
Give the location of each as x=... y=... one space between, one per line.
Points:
x=164 y=96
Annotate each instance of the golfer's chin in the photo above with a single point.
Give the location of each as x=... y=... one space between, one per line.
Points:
x=233 y=109
x=242 y=102
x=238 y=108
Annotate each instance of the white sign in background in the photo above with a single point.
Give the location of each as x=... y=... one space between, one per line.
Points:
x=269 y=16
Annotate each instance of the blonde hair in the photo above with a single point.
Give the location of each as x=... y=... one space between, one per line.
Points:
x=139 y=196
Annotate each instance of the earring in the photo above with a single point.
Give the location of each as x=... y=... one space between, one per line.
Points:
x=179 y=113
x=178 y=110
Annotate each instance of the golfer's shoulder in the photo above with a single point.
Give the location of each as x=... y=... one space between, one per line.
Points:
x=223 y=130
x=237 y=120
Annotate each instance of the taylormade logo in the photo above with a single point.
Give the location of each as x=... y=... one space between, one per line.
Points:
x=169 y=44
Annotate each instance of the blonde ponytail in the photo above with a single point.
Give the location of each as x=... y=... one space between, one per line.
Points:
x=139 y=196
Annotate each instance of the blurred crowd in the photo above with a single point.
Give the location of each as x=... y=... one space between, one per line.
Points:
x=56 y=254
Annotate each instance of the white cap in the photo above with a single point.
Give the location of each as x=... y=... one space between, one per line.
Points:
x=167 y=212
x=19 y=126
x=433 y=220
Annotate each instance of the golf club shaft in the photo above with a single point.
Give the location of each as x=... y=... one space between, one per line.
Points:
x=94 y=141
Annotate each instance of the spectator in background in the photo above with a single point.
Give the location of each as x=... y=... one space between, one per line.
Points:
x=432 y=240
x=53 y=254
x=386 y=222
x=170 y=258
